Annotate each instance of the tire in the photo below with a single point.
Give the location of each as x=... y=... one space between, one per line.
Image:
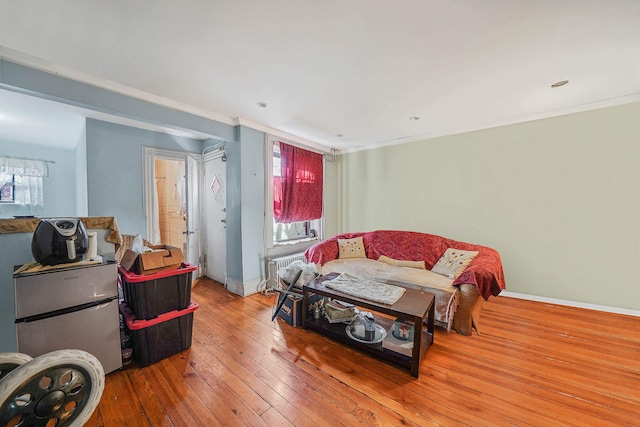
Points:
x=64 y=386
x=10 y=361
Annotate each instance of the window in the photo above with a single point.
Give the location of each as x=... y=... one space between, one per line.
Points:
x=21 y=186
x=7 y=192
x=297 y=193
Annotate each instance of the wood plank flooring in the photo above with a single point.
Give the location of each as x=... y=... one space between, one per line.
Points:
x=534 y=364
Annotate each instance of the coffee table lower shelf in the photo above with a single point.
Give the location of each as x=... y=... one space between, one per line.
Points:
x=337 y=332
x=414 y=306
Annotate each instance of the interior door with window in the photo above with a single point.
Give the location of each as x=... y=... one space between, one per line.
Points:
x=215 y=208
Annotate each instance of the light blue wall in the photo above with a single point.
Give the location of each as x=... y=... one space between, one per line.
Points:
x=114 y=170
x=245 y=210
x=234 y=207
x=82 y=201
x=252 y=203
x=15 y=248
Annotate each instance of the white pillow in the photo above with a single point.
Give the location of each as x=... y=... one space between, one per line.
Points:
x=351 y=248
x=453 y=262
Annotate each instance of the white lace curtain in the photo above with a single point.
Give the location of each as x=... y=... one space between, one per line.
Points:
x=27 y=178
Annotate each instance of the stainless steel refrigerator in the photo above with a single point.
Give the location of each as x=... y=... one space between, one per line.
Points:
x=74 y=307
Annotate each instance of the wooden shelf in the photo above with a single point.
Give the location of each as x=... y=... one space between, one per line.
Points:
x=337 y=332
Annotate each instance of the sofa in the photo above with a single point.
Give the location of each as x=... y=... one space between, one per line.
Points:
x=407 y=258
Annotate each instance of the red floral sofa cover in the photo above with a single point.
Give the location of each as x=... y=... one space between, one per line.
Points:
x=484 y=274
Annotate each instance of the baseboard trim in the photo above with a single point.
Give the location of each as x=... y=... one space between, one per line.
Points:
x=605 y=308
x=243 y=288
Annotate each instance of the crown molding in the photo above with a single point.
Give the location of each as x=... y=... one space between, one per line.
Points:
x=238 y=121
x=621 y=100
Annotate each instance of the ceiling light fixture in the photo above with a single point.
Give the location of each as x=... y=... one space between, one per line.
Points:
x=414 y=118
x=262 y=104
x=560 y=83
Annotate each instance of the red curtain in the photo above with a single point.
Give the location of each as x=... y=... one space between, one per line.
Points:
x=297 y=195
x=277 y=197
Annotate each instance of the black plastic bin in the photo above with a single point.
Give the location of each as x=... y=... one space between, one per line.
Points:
x=149 y=295
x=156 y=339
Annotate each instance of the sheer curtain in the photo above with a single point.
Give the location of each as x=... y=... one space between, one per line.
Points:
x=299 y=190
x=27 y=177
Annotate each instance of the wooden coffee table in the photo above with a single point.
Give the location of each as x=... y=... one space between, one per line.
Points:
x=414 y=305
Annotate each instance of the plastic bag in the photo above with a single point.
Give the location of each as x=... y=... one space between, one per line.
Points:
x=137 y=246
x=288 y=273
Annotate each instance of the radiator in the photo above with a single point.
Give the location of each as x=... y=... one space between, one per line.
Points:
x=277 y=263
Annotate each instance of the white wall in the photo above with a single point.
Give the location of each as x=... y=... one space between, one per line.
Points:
x=559 y=198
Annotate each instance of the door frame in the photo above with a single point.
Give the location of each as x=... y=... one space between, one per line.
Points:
x=149 y=155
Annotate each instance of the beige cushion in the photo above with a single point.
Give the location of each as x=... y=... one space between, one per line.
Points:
x=402 y=263
x=351 y=248
x=453 y=262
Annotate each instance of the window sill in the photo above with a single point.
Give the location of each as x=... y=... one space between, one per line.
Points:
x=294 y=242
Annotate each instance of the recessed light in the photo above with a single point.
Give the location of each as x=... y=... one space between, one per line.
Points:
x=262 y=104
x=414 y=118
x=560 y=83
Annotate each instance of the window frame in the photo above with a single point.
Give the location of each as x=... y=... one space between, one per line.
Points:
x=317 y=224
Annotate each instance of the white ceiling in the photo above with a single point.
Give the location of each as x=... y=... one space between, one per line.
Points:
x=359 y=68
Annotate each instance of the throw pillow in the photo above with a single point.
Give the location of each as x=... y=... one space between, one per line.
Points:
x=402 y=263
x=453 y=262
x=351 y=248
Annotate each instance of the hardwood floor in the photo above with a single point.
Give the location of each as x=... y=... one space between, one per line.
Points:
x=533 y=364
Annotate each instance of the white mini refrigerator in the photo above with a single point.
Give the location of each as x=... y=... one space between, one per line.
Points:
x=70 y=308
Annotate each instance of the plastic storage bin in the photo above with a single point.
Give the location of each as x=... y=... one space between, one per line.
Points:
x=156 y=339
x=150 y=295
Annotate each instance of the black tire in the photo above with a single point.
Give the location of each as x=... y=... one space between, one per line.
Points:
x=64 y=386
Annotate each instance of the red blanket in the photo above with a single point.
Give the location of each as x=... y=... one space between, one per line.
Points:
x=485 y=271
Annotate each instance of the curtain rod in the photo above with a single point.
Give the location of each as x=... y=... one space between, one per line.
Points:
x=28 y=158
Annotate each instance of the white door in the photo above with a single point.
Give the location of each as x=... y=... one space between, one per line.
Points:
x=175 y=217
x=215 y=215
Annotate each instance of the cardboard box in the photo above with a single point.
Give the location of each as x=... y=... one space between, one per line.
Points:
x=396 y=345
x=163 y=257
x=291 y=311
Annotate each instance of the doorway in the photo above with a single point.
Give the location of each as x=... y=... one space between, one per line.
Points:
x=172 y=212
x=171 y=190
